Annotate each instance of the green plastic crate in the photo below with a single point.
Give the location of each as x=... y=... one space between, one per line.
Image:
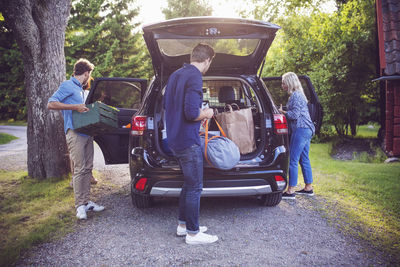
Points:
x=100 y=119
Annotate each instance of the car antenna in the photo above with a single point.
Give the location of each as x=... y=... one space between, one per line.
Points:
x=262 y=67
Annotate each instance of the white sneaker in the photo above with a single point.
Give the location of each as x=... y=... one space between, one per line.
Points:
x=93 y=206
x=201 y=238
x=181 y=231
x=81 y=212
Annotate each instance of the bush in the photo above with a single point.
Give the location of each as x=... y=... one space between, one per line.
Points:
x=326 y=134
x=375 y=154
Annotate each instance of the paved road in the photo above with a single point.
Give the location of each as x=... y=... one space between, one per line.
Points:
x=17 y=145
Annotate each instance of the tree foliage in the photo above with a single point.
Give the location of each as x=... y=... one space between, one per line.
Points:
x=187 y=8
x=271 y=10
x=99 y=30
x=350 y=65
x=339 y=52
x=103 y=32
x=12 y=90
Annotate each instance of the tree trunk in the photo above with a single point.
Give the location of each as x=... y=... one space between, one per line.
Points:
x=353 y=117
x=39 y=28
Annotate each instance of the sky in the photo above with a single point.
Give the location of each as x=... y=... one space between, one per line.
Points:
x=151 y=9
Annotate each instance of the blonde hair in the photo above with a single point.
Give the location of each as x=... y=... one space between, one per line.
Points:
x=293 y=83
x=88 y=84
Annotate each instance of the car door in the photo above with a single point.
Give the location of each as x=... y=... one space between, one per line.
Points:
x=281 y=97
x=125 y=94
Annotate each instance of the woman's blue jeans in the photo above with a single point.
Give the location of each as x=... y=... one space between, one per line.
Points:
x=299 y=149
x=191 y=162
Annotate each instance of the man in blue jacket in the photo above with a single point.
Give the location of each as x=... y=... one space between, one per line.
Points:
x=183 y=113
x=69 y=97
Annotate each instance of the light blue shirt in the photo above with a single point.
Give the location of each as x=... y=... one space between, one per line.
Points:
x=69 y=92
x=297 y=112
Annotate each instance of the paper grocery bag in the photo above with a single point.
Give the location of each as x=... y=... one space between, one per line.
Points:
x=239 y=127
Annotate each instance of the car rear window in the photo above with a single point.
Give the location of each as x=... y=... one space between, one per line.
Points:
x=236 y=47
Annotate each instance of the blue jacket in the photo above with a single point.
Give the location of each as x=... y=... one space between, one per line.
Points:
x=182 y=102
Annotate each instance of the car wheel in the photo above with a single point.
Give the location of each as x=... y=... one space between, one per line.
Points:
x=271 y=200
x=139 y=200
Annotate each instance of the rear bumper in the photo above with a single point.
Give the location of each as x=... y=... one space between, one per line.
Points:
x=220 y=188
x=246 y=179
x=215 y=191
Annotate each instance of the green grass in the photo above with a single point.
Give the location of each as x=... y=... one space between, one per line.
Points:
x=368 y=131
x=13 y=123
x=6 y=138
x=328 y=132
x=363 y=197
x=31 y=212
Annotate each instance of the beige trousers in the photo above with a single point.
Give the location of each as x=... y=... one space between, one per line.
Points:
x=81 y=152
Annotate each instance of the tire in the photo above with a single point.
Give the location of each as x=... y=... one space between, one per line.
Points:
x=139 y=200
x=271 y=200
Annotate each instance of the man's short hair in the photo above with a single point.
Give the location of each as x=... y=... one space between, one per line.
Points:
x=82 y=65
x=201 y=53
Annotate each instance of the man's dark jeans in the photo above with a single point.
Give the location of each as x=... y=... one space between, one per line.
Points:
x=191 y=162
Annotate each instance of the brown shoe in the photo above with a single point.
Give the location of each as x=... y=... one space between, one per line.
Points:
x=93 y=180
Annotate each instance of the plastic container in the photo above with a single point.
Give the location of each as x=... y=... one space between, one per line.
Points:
x=100 y=119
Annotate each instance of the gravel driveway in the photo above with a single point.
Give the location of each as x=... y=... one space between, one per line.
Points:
x=249 y=235
x=293 y=233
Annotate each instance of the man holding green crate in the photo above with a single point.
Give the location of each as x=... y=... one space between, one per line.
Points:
x=69 y=97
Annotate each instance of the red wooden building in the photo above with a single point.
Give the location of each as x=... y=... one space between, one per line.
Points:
x=388 y=23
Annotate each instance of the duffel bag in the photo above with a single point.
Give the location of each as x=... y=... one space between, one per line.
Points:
x=219 y=151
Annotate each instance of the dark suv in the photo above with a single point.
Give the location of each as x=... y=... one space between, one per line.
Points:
x=241 y=46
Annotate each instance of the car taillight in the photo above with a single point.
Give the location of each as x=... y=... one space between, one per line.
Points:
x=138 y=125
x=140 y=185
x=280 y=182
x=280 y=124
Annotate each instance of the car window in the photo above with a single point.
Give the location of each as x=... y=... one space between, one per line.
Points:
x=306 y=89
x=281 y=97
x=118 y=94
x=274 y=87
x=213 y=95
x=237 y=47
